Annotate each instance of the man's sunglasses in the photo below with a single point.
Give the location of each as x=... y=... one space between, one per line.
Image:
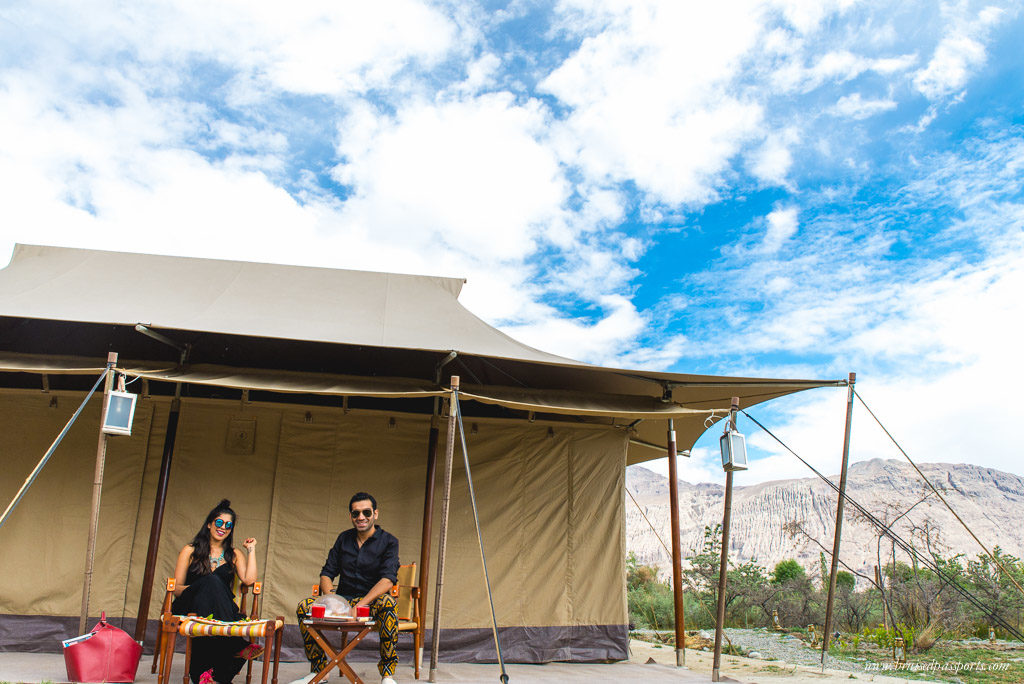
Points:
x=366 y=513
x=226 y=524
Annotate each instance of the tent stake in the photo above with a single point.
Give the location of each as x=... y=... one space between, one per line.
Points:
x=726 y=519
x=839 y=521
x=677 y=562
x=449 y=452
x=97 y=491
x=142 y=616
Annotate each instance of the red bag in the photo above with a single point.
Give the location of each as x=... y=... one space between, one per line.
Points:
x=106 y=654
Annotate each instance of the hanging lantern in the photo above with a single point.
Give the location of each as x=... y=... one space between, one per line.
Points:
x=120 y=410
x=734 y=450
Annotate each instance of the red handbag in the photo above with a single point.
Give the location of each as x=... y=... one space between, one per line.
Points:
x=106 y=654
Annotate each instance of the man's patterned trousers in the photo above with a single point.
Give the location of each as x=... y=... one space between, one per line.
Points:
x=382 y=610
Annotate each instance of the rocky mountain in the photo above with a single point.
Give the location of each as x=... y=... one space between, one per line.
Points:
x=990 y=501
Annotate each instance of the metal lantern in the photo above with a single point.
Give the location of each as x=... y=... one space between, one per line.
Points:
x=120 y=410
x=734 y=451
x=899 y=651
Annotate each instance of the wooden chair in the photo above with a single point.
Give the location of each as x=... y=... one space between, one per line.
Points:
x=165 y=614
x=408 y=610
x=270 y=631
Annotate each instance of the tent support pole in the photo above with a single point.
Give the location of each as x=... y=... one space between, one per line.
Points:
x=158 y=520
x=428 y=519
x=449 y=452
x=677 y=561
x=839 y=520
x=97 y=491
x=726 y=521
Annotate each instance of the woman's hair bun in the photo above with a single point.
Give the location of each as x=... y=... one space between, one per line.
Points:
x=224 y=503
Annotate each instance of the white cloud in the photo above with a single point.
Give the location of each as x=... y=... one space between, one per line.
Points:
x=600 y=342
x=957 y=55
x=773 y=160
x=472 y=174
x=855 y=107
x=639 y=115
x=782 y=225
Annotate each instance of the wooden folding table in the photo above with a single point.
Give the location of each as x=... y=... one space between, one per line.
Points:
x=359 y=629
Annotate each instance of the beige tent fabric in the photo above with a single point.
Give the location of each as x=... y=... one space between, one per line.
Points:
x=44 y=541
x=550 y=505
x=259 y=300
x=560 y=402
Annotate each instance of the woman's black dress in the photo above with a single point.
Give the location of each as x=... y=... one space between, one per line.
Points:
x=210 y=595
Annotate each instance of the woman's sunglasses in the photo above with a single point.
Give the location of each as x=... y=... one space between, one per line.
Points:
x=226 y=524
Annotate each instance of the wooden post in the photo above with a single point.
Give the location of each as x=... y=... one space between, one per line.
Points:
x=839 y=520
x=677 y=563
x=881 y=590
x=97 y=491
x=158 y=520
x=723 y=565
x=449 y=452
x=428 y=518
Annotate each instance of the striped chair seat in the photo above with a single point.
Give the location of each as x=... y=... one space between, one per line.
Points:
x=192 y=626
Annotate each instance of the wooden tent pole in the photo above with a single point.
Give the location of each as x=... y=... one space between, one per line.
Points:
x=158 y=520
x=839 y=520
x=97 y=491
x=726 y=520
x=677 y=561
x=428 y=519
x=449 y=452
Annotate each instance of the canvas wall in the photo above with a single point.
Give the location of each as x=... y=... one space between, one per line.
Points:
x=549 y=497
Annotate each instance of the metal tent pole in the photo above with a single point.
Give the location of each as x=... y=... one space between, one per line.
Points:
x=480 y=539
x=49 y=452
x=839 y=520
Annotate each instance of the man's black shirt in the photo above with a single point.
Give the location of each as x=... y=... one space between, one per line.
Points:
x=361 y=568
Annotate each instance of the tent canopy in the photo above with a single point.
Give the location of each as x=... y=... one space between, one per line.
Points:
x=318 y=331
x=317 y=356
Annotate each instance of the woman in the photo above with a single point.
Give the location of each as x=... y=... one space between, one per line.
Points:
x=202 y=584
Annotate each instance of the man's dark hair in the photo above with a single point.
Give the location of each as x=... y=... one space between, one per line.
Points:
x=362 y=496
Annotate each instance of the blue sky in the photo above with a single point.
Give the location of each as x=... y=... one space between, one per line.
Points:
x=788 y=189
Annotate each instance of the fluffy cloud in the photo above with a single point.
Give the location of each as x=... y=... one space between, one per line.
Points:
x=782 y=225
x=472 y=174
x=957 y=55
x=648 y=97
x=855 y=107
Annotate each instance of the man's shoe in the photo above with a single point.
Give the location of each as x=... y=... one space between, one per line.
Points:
x=387 y=680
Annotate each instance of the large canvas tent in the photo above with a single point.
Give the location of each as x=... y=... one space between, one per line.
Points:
x=291 y=388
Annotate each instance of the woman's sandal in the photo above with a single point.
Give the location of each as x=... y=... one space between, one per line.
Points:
x=250 y=652
x=207 y=677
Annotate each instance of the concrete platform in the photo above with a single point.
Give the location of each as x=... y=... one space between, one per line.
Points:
x=36 y=667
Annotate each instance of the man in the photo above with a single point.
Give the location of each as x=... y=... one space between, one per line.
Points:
x=365 y=561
